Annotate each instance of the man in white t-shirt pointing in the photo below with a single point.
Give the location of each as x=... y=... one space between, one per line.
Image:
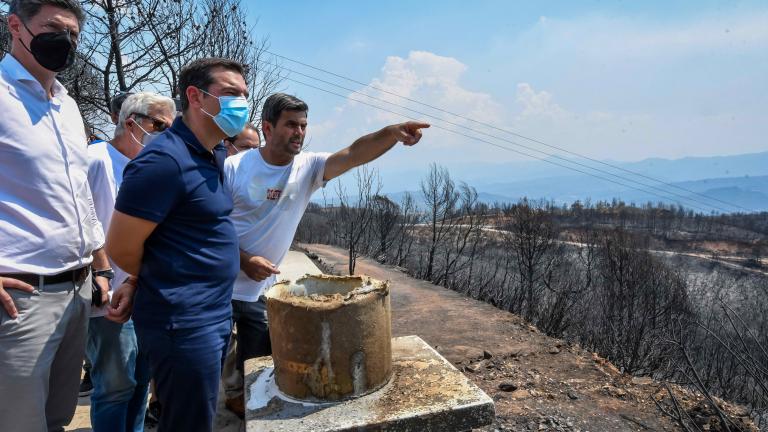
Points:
x=271 y=187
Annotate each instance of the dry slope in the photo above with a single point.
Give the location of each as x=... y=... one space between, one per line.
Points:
x=538 y=383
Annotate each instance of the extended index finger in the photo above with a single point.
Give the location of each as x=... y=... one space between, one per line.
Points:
x=417 y=125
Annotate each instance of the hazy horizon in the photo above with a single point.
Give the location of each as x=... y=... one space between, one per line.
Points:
x=611 y=80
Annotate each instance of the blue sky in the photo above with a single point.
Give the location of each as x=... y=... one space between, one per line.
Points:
x=615 y=80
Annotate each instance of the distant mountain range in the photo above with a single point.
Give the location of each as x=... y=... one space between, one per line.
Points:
x=742 y=192
x=741 y=181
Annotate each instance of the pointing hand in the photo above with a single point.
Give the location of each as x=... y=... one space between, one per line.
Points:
x=409 y=133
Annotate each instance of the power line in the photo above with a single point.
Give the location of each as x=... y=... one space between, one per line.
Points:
x=570 y=161
x=512 y=150
x=683 y=197
x=505 y=131
x=671 y=185
x=519 y=152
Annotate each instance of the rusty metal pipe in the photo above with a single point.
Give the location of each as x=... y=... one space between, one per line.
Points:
x=331 y=336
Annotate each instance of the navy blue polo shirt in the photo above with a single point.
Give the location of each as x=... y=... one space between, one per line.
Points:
x=191 y=259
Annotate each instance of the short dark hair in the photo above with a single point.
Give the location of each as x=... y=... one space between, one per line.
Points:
x=279 y=102
x=117 y=102
x=198 y=74
x=26 y=9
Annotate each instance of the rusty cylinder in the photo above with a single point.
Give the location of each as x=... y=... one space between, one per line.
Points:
x=331 y=336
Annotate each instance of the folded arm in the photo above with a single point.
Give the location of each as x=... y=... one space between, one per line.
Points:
x=125 y=240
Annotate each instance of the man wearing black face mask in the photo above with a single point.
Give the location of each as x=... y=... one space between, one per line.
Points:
x=49 y=234
x=55 y=50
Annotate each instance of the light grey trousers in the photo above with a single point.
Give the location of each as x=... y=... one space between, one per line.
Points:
x=41 y=354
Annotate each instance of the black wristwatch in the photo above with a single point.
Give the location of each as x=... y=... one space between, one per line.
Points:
x=96 y=289
x=107 y=273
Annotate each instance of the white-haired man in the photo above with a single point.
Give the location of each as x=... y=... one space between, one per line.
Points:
x=86 y=386
x=120 y=374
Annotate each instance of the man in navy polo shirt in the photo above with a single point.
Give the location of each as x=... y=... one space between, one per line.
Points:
x=171 y=227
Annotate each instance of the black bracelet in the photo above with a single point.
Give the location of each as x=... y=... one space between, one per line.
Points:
x=107 y=273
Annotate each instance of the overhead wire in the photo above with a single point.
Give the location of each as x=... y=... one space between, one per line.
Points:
x=566 y=160
x=506 y=131
x=509 y=149
x=657 y=194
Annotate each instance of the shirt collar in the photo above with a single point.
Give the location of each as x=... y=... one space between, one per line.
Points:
x=18 y=72
x=59 y=90
x=182 y=130
x=15 y=70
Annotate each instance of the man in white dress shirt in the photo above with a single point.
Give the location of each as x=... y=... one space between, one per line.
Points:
x=48 y=228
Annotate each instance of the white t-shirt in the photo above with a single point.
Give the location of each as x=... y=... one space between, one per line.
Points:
x=105 y=173
x=269 y=202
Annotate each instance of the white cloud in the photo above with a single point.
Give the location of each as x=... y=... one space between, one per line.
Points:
x=537 y=104
x=432 y=79
x=421 y=76
x=617 y=88
x=437 y=81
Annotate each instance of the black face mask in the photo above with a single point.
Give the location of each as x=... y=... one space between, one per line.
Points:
x=53 y=50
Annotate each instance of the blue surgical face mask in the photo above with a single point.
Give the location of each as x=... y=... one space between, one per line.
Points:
x=233 y=113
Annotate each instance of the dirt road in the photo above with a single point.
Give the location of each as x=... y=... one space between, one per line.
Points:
x=549 y=385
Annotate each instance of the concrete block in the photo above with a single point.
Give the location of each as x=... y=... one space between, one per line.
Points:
x=426 y=394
